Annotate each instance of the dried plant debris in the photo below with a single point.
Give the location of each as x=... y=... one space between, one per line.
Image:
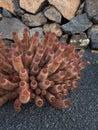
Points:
x=32 y=72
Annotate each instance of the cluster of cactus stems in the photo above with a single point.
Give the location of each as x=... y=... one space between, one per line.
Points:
x=32 y=72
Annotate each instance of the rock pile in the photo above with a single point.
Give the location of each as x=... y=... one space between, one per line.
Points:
x=74 y=21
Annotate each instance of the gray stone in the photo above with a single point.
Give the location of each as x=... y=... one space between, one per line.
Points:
x=77 y=25
x=52 y=14
x=34 y=20
x=53 y=27
x=95 y=19
x=93 y=35
x=6 y=13
x=80 y=41
x=91 y=7
x=39 y=30
x=9 y=25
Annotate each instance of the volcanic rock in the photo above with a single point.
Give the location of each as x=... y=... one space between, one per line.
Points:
x=91 y=7
x=77 y=24
x=66 y=7
x=9 y=25
x=31 y=5
x=34 y=20
x=93 y=35
x=53 y=27
x=52 y=14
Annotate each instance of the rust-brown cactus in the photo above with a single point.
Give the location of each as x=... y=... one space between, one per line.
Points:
x=30 y=71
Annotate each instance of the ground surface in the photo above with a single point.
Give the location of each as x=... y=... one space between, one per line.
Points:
x=82 y=115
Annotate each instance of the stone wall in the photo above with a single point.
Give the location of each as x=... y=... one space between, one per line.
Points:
x=74 y=21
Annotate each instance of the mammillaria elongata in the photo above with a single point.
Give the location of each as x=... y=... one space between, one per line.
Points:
x=33 y=71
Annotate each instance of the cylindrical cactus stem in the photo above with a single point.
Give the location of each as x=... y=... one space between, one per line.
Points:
x=75 y=84
x=3 y=92
x=34 y=40
x=35 y=70
x=2 y=45
x=80 y=53
x=28 y=58
x=50 y=97
x=26 y=38
x=24 y=96
x=43 y=74
x=36 y=60
x=33 y=84
x=9 y=57
x=38 y=56
x=58 y=76
x=17 y=105
x=59 y=103
x=52 y=67
x=7 y=97
x=50 y=55
x=78 y=76
x=60 y=49
x=4 y=99
x=65 y=92
x=64 y=63
x=7 y=85
x=33 y=95
x=67 y=83
x=70 y=73
x=45 y=84
x=23 y=85
x=17 y=61
x=38 y=91
x=56 y=88
x=45 y=39
x=39 y=101
x=5 y=66
x=16 y=38
x=2 y=75
x=59 y=58
x=59 y=95
x=23 y=74
x=2 y=57
x=14 y=47
x=43 y=92
x=82 y=64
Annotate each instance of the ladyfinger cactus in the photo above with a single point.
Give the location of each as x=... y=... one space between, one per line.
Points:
x=33 y=71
